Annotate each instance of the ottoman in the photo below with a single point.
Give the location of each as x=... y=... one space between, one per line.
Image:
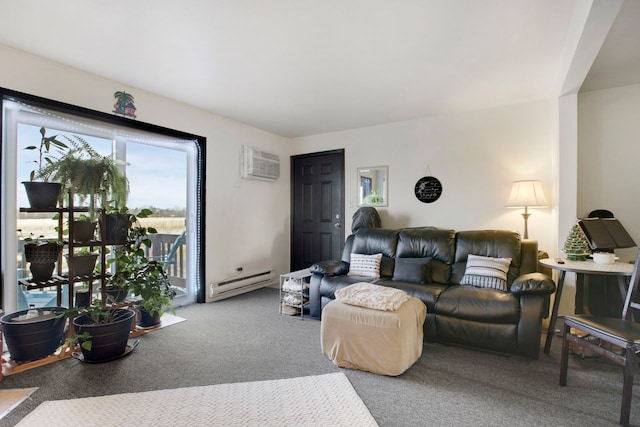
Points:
x=378 y=341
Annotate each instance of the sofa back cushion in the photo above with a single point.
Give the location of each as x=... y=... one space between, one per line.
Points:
x=370 y=241
x=487 y=243
x=429 y=242
x=413 y=270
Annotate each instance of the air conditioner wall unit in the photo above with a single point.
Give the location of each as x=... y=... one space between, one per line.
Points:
x=257 y=164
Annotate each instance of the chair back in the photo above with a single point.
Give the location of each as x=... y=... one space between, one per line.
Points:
x=171 y=255
x=631 y=301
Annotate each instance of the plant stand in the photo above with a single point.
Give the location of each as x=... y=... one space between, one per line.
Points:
x=10 y=367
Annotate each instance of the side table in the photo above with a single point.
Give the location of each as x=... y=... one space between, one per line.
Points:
x=620 y=269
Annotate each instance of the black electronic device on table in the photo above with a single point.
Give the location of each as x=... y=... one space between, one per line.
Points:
x=605 y=234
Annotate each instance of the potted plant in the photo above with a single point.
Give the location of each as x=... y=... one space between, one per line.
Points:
x=149 y=281
x=42 y=191
x=42 y=254
x=83 y=262
x=89 y=175
x=116 y=225
x=130 y=254
x=84 y=228
x=101 y=331
x=135 y=273
x=34 y=333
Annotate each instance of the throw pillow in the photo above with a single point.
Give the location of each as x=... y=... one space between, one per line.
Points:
x=486 y=272
x=412 y=270
x=365 y=265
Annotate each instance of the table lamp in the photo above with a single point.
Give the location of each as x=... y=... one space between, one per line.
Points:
x=526 y=194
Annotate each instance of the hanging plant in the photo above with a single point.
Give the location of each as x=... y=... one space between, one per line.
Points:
x=90 y=175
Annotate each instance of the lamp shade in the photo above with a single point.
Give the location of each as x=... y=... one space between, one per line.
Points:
x=526 y=194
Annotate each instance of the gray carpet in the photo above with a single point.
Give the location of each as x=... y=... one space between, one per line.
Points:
x=245 y=339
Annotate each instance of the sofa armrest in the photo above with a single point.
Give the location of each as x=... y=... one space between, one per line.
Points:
x=533 y=284
x=330 y=268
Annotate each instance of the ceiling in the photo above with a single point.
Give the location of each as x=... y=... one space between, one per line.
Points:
x=304 y=67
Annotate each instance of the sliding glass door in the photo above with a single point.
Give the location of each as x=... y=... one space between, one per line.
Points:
x=165 y=175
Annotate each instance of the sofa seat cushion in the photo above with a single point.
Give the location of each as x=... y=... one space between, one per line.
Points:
x=498 y=337
x=479 y=305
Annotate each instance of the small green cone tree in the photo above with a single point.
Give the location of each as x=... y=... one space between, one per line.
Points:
x=576 y=247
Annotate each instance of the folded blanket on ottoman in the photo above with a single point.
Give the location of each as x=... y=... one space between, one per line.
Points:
x=372 y=296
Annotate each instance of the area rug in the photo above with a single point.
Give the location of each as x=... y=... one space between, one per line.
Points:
x=320 y=400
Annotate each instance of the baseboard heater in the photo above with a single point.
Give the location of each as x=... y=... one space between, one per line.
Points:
x=238 y=285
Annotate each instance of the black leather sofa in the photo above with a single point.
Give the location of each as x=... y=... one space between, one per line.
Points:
x=489 y=319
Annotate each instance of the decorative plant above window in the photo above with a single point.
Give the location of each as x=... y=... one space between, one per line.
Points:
x=124 y=104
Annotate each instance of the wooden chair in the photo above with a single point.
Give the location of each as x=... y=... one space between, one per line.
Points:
x=617 y=339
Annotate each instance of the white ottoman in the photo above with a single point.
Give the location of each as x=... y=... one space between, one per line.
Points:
x=382 y=342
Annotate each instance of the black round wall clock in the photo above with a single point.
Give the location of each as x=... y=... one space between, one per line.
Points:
x=428 y=189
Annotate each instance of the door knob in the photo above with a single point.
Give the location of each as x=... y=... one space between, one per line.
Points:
x=337 y=225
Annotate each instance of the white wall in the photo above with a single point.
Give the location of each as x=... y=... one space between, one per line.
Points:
x=247 y=221
x=608 y=156
x=475 y=155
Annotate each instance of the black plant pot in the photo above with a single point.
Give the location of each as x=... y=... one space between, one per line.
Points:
x=83 y=264
x=42 y=195
x=148 y=320
x=83 y=231
x=83 y=298
x=108 y=340
x=42 y=259
x=116 y=294
x=116 y=228
x=33 y=339
x=42 y=253
x=41 y=272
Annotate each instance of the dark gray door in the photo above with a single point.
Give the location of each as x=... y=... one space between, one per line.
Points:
x=317 y=208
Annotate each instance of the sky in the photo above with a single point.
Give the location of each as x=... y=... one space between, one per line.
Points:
x=157 y=176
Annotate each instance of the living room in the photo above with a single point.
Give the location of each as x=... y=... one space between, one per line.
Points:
x=579 y=143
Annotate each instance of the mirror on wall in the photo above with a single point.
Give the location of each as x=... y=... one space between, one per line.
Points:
x=372 y=186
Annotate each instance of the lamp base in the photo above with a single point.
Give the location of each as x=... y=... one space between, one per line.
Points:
x=526 y=216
